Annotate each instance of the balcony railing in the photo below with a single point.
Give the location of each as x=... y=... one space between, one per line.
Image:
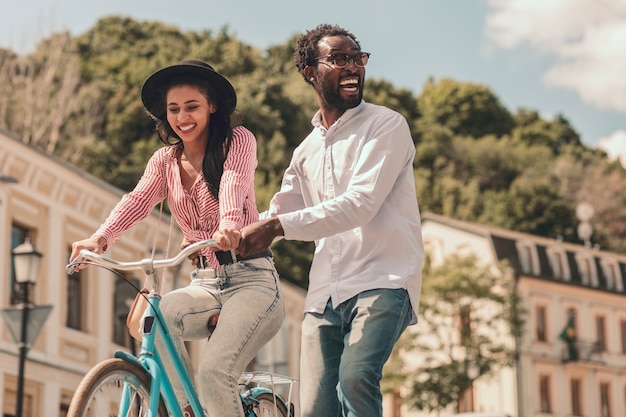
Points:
x=582 y=350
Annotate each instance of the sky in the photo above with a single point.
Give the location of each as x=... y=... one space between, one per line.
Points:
x=563 y=57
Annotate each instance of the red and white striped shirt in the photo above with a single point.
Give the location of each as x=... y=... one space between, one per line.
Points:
x=197 y=212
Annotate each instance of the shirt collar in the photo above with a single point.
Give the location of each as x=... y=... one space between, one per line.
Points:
x=316 y=121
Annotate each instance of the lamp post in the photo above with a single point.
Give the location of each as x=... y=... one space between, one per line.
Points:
x=584 y=213
x=26 y=262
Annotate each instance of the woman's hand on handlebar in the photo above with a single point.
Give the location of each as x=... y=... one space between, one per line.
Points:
x=195 y=257
x=94 y=244
x=226 y=239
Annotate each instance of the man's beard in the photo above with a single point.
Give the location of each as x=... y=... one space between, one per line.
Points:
x=331 y=97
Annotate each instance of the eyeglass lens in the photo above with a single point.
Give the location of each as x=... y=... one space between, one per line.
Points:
x=342 y=60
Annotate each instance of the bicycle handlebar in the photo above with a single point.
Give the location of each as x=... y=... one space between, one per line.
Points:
x=146 y=264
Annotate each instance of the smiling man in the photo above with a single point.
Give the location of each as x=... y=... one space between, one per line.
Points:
x=350 y=188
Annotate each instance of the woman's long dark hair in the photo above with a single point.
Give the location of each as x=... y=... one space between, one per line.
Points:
x=221 y=126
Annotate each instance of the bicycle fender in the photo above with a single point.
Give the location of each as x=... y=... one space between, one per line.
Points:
x=142 y=364
x=256 y=391
x=127 y=357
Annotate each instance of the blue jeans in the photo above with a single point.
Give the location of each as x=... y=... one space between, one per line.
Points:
x=344 y=350
x=247 y=297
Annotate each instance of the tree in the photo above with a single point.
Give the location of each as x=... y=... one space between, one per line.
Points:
x=532 y=205
x=468 y=312
x=467 y=109
x=38 y=91
x=8 y=65
x=555 y=134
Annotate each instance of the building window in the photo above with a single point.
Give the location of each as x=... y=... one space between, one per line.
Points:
x=576 y=395
x=601 y=333
x=528 y=259
x=545 y=401
x=540 y=323
x=64 y=405
x=611 y=277
x=525 y=259
x=611 y=271
x=622 y=326
x=558 y=263
x=586 y=271
x=569 y=336
x=75 y=297
x=18 y=236
x=586 y=268
x=30 y=400
x=605 y=403
x=122 y=300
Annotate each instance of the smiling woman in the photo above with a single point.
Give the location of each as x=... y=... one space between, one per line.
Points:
x=206 y=174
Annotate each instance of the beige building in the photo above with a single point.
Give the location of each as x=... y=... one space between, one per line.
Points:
x=559 y=283
x=56 y=204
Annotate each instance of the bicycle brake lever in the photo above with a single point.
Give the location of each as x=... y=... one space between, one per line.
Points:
x=72 y=267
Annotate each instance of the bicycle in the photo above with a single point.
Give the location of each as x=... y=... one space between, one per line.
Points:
x=128 y=385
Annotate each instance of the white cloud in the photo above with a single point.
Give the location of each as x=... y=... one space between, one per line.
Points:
x=615 y=146
x=587 y=38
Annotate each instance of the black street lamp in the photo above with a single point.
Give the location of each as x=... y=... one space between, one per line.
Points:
x=26 y=261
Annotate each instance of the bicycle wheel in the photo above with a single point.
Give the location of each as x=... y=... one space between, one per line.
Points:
x=100 y=391
x=264 y=406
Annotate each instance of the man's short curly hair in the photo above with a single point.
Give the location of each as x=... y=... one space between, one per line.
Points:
x=306 y=46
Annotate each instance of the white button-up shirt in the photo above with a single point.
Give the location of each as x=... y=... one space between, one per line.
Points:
x=351 y=190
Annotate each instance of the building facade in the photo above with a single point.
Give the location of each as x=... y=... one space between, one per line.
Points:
x=571 y=359
x=54 y=204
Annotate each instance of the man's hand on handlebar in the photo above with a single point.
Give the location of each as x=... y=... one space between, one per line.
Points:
x=258 y=236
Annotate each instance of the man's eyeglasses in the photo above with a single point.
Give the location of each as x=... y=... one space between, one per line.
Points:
x=342 y=60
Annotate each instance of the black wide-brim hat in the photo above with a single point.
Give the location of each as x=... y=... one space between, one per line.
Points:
x=151 y=92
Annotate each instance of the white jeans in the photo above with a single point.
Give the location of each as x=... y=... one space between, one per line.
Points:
x=247 y=297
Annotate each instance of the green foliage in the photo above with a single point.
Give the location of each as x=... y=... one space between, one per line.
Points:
x=466 y=109
x=293 y=260
x=532 y=205
x=555 y=134
x=468 y=312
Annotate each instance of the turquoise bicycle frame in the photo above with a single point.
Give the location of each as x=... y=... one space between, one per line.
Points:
x=150 y=360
